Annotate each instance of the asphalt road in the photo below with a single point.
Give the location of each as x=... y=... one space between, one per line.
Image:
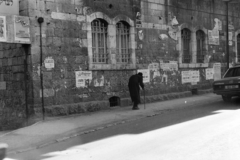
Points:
x=209 y=132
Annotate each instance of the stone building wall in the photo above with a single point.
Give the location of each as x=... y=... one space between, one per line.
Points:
x=66 y=43
x=155 y=45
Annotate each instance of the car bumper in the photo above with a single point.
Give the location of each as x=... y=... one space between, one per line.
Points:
x=230 y=93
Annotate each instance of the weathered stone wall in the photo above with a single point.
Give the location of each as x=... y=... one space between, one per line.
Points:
x=65 y=42
x=156 y=42
x=13 y=82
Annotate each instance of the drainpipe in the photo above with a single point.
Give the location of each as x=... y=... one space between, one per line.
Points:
x=40 y=21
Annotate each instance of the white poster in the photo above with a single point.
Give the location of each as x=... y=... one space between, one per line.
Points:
x=186 y=77
x=146 y=75
x=230 y=38
x=83 y=78
x=49 y=63
x=9 y=7
x=218 y=24
x=3 y=31
x=173 y=65
x=217 y=71
x=22 y=29
x=209 y=73
x=195 y=76
x=213 y=37
x=154 y=68
x=190 y=77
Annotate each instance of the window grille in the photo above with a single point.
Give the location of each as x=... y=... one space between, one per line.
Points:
x=123 y=41
x=99 y=41
x=238 y=47
x=186 y=36
x=200 y=44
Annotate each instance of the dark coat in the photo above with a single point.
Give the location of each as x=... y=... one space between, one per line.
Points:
x=133 y=85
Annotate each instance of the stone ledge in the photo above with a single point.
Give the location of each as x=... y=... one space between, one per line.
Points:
x=69 y=109
x=94 y=106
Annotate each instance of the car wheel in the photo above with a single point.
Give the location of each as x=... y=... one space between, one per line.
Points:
x=226 y=98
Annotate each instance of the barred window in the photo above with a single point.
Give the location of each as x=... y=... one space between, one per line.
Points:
x=238 y=47
x=123 y=40
x=99 y=41
x=186 y=36
x=200 y=44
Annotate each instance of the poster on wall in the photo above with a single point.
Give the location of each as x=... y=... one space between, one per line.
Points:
x=195 y=76
x=9 y=7
x=171 y=66
x=213 y=37
x=49 y=63
x=146 y=75
x=217 y=71
x=218 y=24
x=3 y=31
x=186 y=77
x=21 y=28
x=190 y=77
x=83 y=78
x=154 y=68
x=209 y=73
x=230 y=38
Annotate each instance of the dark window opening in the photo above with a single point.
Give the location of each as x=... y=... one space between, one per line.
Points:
x=123 y=42
x=114 y=101
x=200 y=45
x=186 y=37
x=99 y=41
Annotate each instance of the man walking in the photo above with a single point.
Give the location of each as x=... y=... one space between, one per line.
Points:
x=133 y=85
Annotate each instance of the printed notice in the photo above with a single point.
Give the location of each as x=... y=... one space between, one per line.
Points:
x=209 y=73
x=186 y=77
x=146 y=75
x=83 y=78
x=22 y=30
x=3 y=31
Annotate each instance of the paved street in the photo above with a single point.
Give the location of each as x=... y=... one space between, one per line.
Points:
x=207 y=129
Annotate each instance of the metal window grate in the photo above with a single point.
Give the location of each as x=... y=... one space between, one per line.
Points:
x=99 y=41
x=123 y=41
x=186 y=36
x=200 y=42
x=114 y=101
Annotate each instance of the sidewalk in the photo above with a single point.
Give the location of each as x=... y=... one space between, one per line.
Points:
x=55 y=130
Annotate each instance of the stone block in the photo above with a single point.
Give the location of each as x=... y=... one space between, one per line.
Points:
x=50 y=6
x=56 y=111
x=68 y=8
x=58 y=32
x=57 y=41
x=125 y=102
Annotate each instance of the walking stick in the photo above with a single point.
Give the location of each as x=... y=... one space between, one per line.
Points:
x=144 y=98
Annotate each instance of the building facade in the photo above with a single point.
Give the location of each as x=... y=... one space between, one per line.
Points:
x=81 y=51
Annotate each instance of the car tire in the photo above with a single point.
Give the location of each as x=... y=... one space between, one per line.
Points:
x=226 y=98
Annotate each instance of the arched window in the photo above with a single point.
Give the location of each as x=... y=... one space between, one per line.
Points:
x=238 y=48
x=186 y=37
x=123 y=42
x=200 y=46
x=99 y=41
